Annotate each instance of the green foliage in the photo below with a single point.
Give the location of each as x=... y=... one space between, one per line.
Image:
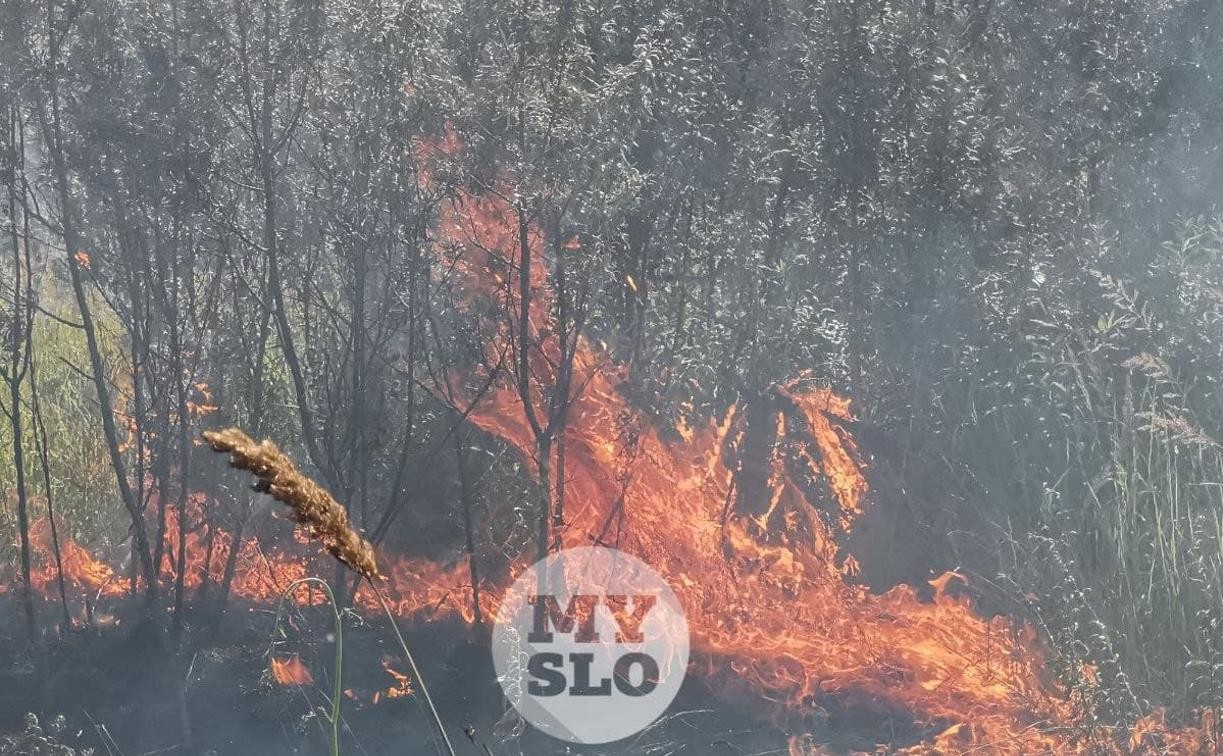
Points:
x=83 y=484
x=1124 y=553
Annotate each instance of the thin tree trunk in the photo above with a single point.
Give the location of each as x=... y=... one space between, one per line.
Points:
x=18 y=364
x=267 y=173
x=231 y=563
x=54 y=140
x=358 y=459
x=558 y=515
x=856 y=347
x=161 y=488
x=40 y=428
x=23 y=516
x=558 y=405
x=255 y=402
x=206 y=567
x=405 y=447
x=184 y=495
x=543 y=449
x=542 y=441
x=473 y=568
x=45 y=459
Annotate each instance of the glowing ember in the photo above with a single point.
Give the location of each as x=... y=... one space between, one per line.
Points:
x=290 y=671
x=402 y=687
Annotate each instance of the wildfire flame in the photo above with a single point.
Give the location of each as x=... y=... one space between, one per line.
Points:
x=753 y=550
x=84 y=574
x=402 y=688
x=290 y=671
x=744 y=515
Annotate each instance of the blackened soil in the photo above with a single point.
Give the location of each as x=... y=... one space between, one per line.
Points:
x=131 y=688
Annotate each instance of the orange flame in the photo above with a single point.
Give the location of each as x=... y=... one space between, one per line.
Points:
x=402 y=687
x=290 y=671
x=83 y=573
x=745 y=517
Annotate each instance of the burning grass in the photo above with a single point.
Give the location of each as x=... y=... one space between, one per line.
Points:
x=746 y=516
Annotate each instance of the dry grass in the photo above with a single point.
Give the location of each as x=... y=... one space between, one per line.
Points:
x=312 y=506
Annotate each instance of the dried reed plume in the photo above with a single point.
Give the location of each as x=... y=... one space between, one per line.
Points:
x=323 y=516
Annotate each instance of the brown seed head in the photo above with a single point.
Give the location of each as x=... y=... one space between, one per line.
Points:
x=322 y=516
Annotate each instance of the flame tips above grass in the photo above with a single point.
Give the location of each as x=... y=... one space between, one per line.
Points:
x=312 y=506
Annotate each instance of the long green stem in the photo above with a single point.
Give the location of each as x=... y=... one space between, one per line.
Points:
x=424 y=691
x=337 y=691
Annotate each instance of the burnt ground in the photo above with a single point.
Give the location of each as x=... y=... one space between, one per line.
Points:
x=130 y=689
